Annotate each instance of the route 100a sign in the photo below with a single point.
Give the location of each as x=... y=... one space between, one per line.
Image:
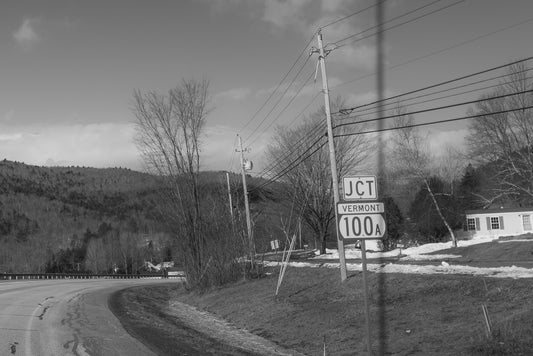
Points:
x=362 y=226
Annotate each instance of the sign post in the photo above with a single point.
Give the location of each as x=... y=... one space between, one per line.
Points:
x=360 y=217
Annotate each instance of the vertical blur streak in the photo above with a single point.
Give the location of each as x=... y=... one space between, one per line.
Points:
x=380 y=65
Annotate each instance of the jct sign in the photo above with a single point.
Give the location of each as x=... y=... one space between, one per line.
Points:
x=360 y=188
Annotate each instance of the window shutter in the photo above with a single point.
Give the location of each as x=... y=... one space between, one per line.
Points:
x=501 y=222
x=477 y=225
x=488 y=223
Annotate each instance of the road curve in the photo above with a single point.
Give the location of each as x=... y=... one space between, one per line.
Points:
x=64 y=317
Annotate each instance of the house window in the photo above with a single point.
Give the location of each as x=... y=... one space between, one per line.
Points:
x=526 y=221
x=494 y=223
x=470 y=224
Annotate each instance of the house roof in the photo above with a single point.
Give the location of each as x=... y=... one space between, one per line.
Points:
x=501 y=210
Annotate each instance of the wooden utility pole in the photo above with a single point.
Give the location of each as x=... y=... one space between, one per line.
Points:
x=229 y=197
x=246 y=204
x=331 y=145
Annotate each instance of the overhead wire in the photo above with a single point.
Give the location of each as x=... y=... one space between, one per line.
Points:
x=431 y=54
x=300 y=114
x=254 y=116
x=336 y=43
x=319 y=129
x=282 y=110
x=349 y=110
x=352 y=14
x=304 y=50
x=281 y=97
x=359 y=116
x=435 y=108
x=291 y=165
x=435 y=122
x=304 y=155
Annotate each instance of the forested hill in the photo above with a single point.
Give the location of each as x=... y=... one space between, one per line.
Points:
x=79 y=219
x=46 y=212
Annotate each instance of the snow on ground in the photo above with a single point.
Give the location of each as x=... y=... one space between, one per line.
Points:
x=417 y=254
x=496 y=272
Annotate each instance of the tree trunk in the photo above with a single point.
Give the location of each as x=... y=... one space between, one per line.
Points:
x=454 y=240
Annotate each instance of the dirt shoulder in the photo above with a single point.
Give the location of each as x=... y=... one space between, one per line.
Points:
x=168 y=327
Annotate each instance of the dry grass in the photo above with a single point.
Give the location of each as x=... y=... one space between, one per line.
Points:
x=424 y=315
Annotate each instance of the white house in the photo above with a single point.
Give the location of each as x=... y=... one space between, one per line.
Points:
x=499 y=222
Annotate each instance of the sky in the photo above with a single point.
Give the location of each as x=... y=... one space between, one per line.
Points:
x=68 y=69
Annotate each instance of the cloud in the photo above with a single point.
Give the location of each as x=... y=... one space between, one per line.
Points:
x=96 y=145
x=9 y=116
x=288 y=13
x=361 y=56
x=10 y=137
x=440 y=141
x=233 y=94
x=26 y=35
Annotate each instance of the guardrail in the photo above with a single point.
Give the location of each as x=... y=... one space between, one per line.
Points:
x=20 y=276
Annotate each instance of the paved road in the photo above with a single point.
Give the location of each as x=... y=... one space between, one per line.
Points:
x=64 y=317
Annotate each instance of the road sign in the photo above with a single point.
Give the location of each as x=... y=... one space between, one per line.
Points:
x=360 y=188
x=361 y=208
x=361 y=226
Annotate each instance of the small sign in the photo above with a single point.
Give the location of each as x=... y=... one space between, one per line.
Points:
x=360 y=208
x=360 y=188
x=362 y=226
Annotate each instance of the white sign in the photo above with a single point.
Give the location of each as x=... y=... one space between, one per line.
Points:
x=360 y=188
x=362 y=226
x=360 y=208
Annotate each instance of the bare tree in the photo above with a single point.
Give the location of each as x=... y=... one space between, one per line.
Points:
x=309 y=181
x=507 y=138
x=411 y=157
x=169 y=129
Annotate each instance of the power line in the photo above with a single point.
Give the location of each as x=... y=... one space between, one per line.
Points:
x=439 y=98
x=352 y=14
x=436 y=108
x=365 y=111
x=348 y=111
x=290 y=166
x=301 y=157
x=282 y=110
x=304 y=50
x=397 y=25
x=281 y=97
x=298 y=115
x=317 y=129
x=435 y=122
x=438 y=51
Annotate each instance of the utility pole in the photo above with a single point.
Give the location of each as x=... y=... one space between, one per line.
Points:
x=331 y=145
x=246 y=203
x=229 y=197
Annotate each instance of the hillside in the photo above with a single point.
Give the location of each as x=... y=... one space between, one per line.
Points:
x=63 y=219
x=56 y=219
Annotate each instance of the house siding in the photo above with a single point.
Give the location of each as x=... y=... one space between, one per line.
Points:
x=509 y=221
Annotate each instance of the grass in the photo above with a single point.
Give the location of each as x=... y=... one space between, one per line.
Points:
x=494 y=253
x=410 y=314
x=420 y=315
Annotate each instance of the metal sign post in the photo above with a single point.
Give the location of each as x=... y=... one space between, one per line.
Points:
x=360 y=218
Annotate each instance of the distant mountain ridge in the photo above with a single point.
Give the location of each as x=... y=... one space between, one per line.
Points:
x=46 y=210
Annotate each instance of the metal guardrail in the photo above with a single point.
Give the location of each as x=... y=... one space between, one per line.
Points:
x=21 y=276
